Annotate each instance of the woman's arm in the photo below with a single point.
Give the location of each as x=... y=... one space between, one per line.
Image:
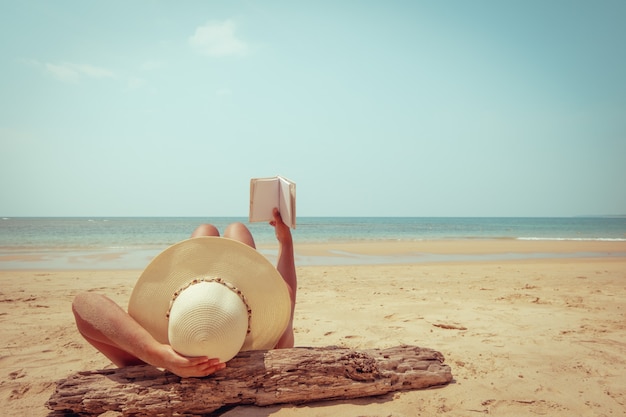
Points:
x=119 y=337
x=286 y=266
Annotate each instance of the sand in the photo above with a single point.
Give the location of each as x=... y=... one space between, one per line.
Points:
x=538 y=328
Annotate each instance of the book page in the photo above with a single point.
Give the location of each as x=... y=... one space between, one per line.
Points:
x=267 y=193
x=287 y=205
x=264 y=196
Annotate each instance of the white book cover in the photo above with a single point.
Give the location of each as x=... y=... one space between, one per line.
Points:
x=267 y=193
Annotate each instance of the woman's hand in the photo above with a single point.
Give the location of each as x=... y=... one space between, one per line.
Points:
x=188 y=367
x=283 y=233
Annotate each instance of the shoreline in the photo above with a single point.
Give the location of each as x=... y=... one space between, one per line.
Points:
x=362 y=252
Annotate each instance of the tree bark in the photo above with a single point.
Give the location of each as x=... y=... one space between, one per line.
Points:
x=265 y=377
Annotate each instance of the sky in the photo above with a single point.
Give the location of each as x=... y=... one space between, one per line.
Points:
x=373 y=108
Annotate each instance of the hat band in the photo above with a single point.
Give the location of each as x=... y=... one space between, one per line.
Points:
x=219 y=281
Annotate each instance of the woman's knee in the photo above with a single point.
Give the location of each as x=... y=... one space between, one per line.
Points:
x=239 y=231
x=205 y=230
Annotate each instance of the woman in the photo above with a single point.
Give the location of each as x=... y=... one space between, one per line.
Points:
x=122 y=339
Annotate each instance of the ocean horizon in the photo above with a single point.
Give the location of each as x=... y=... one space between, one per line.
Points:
x=41 y=242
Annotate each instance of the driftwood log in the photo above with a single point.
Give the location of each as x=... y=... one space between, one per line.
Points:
x=293 y=376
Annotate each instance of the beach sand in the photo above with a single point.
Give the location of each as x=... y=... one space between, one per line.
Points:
x=524 y=335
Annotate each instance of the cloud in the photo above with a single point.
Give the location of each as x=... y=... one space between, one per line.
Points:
x=218 y=39
x=73 y=73
x=68 y=72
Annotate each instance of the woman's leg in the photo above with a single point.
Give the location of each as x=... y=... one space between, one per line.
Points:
x=205 y=230
x=239 y=231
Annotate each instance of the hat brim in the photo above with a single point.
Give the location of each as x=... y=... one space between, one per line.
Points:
x=213 y=257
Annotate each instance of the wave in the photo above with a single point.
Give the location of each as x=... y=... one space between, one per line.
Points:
x=580 y=239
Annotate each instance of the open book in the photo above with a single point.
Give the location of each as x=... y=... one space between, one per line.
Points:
x=267 y=193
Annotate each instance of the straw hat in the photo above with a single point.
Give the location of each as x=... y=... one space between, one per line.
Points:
x=212 y=296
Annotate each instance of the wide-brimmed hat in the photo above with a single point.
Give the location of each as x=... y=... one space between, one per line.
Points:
x=212 y=296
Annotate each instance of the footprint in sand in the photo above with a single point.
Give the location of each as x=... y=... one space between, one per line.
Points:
x=19 y=392
x=17 y=374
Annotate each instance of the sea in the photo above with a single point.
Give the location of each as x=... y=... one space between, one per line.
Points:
x=127 y=242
